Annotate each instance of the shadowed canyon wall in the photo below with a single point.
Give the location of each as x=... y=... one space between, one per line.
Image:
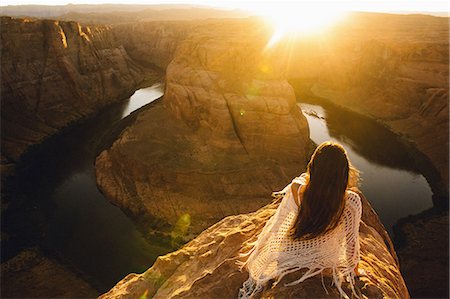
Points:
x=227 y=134
x=217 y=250
x=392 y=68
x=55 y=73
x=153 y=44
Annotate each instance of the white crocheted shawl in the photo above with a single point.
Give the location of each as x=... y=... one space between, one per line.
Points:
x=276 y=253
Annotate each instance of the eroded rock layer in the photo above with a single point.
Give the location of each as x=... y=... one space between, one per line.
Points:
x=153 y=44
x=55 y=73
x=206 y=266
x=392 y=68
x=227 y=133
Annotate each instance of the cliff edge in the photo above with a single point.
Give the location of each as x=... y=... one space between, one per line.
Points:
x=206 y=266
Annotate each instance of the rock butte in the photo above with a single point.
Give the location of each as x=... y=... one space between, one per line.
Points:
x=206 y=266
x=231 y=134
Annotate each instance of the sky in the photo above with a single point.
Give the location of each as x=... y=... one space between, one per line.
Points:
x=360 y=5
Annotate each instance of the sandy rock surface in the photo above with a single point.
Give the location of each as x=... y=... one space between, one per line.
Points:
x=206 y=266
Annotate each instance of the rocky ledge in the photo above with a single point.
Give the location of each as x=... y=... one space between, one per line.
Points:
x=206 y=266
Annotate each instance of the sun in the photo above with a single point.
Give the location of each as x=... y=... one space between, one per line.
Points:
x=300 y=18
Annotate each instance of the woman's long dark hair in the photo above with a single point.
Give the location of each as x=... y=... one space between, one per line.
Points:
x=323 y=195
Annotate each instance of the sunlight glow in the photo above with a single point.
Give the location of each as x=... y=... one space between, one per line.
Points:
x=300 y=20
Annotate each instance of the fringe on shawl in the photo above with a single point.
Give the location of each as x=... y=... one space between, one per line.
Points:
x=241 y=264
x=251 y=287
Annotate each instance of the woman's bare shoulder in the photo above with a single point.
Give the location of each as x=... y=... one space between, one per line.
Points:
x=294 y=189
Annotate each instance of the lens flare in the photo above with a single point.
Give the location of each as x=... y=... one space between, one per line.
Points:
x=300 y=19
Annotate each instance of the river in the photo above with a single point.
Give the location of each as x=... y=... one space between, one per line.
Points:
x=391 y=177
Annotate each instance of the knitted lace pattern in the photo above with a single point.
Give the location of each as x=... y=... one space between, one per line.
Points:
x=276 y=253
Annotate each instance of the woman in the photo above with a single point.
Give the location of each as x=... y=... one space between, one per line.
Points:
x=314 y=228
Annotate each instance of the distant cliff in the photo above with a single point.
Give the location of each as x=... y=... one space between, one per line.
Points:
x=55 y=73
x=206 y=266
x=227 y=133
x=393 y=68
x=152 y=44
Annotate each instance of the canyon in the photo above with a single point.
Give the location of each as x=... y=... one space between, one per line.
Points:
x=228 y=131
x=54 y=76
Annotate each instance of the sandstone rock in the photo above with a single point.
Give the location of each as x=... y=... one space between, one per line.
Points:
x=228 y=132
x=206 y=266
x=152 y=44
x=423 y=252
x=32 y=275
x=55 y=73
